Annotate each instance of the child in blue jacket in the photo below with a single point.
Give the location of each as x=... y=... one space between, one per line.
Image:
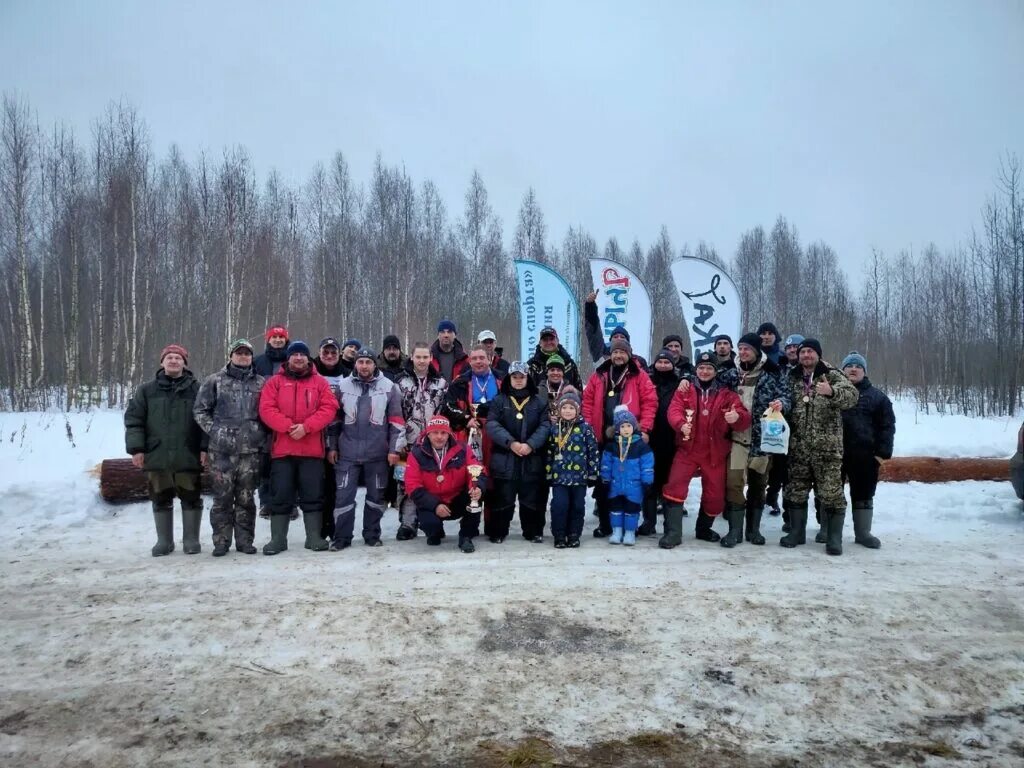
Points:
x=627 y=466
x=573 y=463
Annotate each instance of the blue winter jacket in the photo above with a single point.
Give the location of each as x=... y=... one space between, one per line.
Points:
x=579 y=460
x=628 y=478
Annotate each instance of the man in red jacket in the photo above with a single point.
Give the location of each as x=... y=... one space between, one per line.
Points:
x=619 y=380
x=703 y=417
x=297 y=405
x=439 y=482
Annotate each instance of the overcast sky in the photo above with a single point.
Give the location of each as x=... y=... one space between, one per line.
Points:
x=869 y=124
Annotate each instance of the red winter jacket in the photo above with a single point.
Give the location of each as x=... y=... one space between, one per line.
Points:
x=422 y=471
x=638 y=395
x=287 y=399
x=711 y=438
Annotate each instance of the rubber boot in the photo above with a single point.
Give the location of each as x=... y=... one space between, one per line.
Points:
x=771 y=499
x=191 y=517
x=278 y=534
x=822 y=535
x=786 y=525
x=798 y=525
x=163 y=518
x=863 y=512
x=836 y=517
x=703 y=529
x=673 y=535
x=618 y=521
x=753 y=528
x=630 y=524
x=313 y=522
x=734 y=514
x=649 y=527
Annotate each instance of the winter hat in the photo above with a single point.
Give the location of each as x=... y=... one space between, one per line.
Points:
x=486 y=336
x=366 y=354
x=623 y=416
x=572 y=397
x=620 y=331
x=706 y=359
x=768 y=328
x=276 y=330
x=438 y=424
x=855 y=358
x=556 y=361
x=793 y=340
x=176 y=349
x=670 y=338
x=663 y=355
x=447 y=325
x=548 y=331
x=353 y=343
x=727 y=337
x=623 y=345
x=811 y=344
x=751 y=340
x=298 y=348
x=330 y=341
x=238 y=344
x=391 y=341
x=519 y=366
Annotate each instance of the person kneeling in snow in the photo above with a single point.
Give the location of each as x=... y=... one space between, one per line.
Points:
x=627 y=467
x=438 y=480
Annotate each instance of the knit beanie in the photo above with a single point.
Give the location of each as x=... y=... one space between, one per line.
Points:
x=670 y=338
x=446 y=325
x=556 y=361
x=751 y=340
x=619 y=330
x=176 y=349
x=623 y=345
x=391 y=341
x=856 y=358
x=706 y=358
x=624 y=416
x=811 y=344
x=276 y=330
x=768 y=328
x=298 y=348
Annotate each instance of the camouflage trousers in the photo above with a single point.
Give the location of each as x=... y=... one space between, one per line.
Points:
x=233 y=478
x=823 y=474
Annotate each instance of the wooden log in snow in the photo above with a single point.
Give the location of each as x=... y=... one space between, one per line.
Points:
x=121 y=482
x=929 y=469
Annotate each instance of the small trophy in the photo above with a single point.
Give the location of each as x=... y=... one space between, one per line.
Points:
x=475 y=470
x=475 y=442
x=689 y=420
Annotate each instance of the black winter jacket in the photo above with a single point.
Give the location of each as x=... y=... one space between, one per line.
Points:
x=504 y=429
x=270 y=361
x=870 y=426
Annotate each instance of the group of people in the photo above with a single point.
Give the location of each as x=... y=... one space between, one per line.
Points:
x=449 y=434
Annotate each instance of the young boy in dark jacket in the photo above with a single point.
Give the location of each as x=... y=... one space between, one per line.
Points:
x=573 y=464
x=627 y=467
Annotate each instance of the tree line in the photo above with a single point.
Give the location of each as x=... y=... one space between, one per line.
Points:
x=110 y=252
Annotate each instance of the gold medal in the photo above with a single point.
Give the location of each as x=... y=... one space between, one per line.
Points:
x=704 y=412
x=807 y=398
x=483 y=400
x=519 y=416
x=611 y=393
x=440 y=479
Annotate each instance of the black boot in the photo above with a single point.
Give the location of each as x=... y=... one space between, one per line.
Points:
x=703 y=530
x=673 y=536
x=863 y=512
x=836 y=516
x=649 y=526
x=466 y=544
x=798 y=521
x=771 y=499
x=278 y=534
x=786 y=525
x=191 y=517
x=163 y=518
x=822 y=535
x=753 y=528
x=314 y=541
x=734 y=514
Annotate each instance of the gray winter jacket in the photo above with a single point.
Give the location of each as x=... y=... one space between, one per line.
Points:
x=227 y=409
x=370 y=423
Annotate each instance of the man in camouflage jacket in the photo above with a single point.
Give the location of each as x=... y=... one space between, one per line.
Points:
x=820 y=393
x=227 y=409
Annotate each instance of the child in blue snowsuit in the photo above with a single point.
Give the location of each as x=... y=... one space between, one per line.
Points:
x=573 y=464
x=627 y=466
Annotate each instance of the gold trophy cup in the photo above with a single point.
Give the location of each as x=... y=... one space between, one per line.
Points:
x=689 y=419
x=475 y=470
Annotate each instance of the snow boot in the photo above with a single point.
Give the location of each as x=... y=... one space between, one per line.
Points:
x=278 y=534
x=819 y=514
x=618 y=521
x=405 y=533
x=631 y=523
x=798 y=525
x=863 y=511
x=703 y=529
x=734 y=514
x=314 y=541
x=649 y=527
x=466 y=544
x=673 y=535
x=786 y=525
x=772 y=500
x=753 y=527
x=835 y=517
x=191 y=518
x=163 y=518
x=219 y=550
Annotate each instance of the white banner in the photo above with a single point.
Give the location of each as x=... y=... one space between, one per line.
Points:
x=545 y=299
x=711 y=303
x=622 y=300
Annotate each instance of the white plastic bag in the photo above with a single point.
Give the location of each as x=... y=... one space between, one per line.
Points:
x=774 y=433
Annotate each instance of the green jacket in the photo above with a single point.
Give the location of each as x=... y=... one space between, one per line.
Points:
x=159 y=423
x=818 y=424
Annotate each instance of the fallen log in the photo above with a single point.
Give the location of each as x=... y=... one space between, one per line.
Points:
x=929 y=469
x=121 y=482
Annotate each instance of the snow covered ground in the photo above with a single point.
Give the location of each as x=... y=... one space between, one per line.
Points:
x=912 y=654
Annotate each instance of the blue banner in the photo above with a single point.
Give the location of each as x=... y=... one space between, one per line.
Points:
x=545 y=300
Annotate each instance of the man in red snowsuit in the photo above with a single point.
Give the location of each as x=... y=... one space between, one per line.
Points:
x=703 y=417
